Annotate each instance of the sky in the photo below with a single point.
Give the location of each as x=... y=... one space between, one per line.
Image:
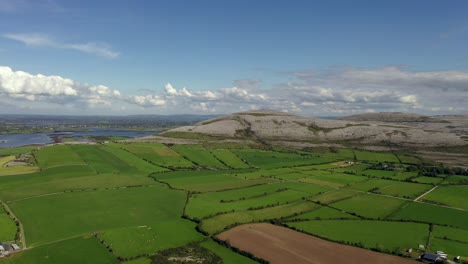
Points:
x=312 y=58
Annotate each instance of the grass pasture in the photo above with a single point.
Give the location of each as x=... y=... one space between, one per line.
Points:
x=265 y=173
x=14 y=170
x=81 y=250
x=206 y=204
x=273 y=159
x=199 y=208
x=453 y=196
x=370 y=156
x=325 y=212
x=217 y=182
x=16 y=151
x=372 y=184
x=450 y=247
x=370 y=206
x=132 y=160
x=5 y=160
x=428 y=213
x=427 y=180
x=7 y=228
x=229 y=158
x=334 y=180
x=56 y=156
x=133 y=196
x=147 y=239
x=100 y=160
x=55 y=217
x=219 y=223
x=64 y=179
x=157 y=154
x=455 y=179
x=389 y=236
x=450 y=233
x=404 y=189
x=379 y=173
x=198 y=155
x=333 y=196
x=409 y=159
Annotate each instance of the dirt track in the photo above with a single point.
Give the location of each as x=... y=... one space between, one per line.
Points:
x=282 y=245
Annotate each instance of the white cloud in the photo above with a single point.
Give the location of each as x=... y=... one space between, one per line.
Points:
x=339 y=92
x=19 y=82
x=19 y=85
x=42 y=40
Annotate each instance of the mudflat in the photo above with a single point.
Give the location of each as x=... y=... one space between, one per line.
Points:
x=283 y=245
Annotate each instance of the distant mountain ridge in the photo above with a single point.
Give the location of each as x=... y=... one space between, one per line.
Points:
x=274 y=126
x=393 y=117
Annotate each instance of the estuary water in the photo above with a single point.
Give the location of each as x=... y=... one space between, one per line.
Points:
x=17 y=140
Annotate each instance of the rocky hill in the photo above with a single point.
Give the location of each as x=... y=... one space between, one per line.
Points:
x=277 y=127
x=393 y=117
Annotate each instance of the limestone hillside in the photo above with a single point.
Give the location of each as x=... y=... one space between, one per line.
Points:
x=271 y=126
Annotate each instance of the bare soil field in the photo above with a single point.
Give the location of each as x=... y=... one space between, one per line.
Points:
x=282 y=245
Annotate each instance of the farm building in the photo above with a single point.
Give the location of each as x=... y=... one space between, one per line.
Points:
x=6 y=247
x=15 y=246
x=430 y=257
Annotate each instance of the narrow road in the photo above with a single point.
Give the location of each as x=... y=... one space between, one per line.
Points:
x=21 y=229
x=422 y=195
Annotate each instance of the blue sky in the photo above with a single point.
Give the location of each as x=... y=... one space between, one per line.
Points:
x=164 y=57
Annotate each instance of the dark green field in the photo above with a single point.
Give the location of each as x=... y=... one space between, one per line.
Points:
x=138 y=203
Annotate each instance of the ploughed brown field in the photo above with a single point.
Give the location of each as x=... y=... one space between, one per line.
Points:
x=282 y=245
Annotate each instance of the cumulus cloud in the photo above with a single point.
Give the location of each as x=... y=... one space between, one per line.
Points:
x=21 y=85
x=42 y=40
x=333 y=92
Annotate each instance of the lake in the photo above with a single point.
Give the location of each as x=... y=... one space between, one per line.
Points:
x=16 y=140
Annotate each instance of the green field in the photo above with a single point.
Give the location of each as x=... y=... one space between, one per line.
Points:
x=64 y=179
x=81 y=250
x=429 y=213
x=199 y=155
x=370 y=206
x=454 y=196
x=219 y=223
x=372 y=184
x=273 y=159
x=208 y=204
x=371 y=156
x=147 y=239
x=333 y=196
x=404 y=189
x=57 y=156
x=16 y=151
x=325 y=212
x=229 y=158
x=456 y=179
x=388 y=236
x=334 y=180
x=51 y=218
x=450 y=233
x=158 y=154
x=227 y=255
x=14 y=170
x=427 y=180
x=7 y=228
x=450 y=247
x=209 y=183
x=147 y=201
